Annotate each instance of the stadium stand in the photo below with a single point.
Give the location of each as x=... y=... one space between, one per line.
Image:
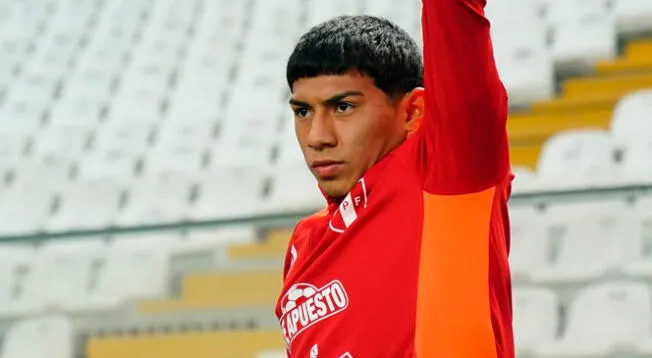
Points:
x=149 y=175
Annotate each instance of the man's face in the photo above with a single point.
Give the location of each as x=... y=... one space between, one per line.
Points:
x=344 y=125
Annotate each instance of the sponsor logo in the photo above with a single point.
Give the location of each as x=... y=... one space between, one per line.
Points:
x=303 y=305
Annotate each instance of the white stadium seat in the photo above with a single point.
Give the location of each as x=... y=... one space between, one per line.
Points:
x=529 y=246
x=605 y=231
x=558 y=11
x=229 y=152
x=25 y=209
x=116 y=163
x=157 y=199
x=67 y=141
x=55 y=336
x=123 y=136
x=641 y=266
x=631 y=117
x=87 y=205
x=228 y=194
x=182 y=157
x=603 y=320
x=577 y=159
x=47 y=170
x=15 y=262
x=536 y=319
x=64 y=271
x=21 y=116
x=633 y=15
x=293 y=189
x=585 y=40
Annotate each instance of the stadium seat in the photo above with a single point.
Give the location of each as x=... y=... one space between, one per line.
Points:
x=289 y=153
x=231 y=344
x=230 y=152
x=48 y=171
x=16 y=261
x=64 y=271
x=12 y=148
x=145 y=204
x=87 y=205
x=67 y=141
x=21 y=116
x=131 y=261
x=591 y=87
x=530 y=248
x=604 y=320
x=182 y=157
x=118 y=164
x=135 y=106
x=77 y=110
x=55 y=336
x=525 y=180
x=641 y=266
x=605 y=231
x=293 y=189
x=228 y=194
x=536 y=319
x=584 y=40
x=220 y=290
x=181 y=131
x=636 y=166
x=38 y=87
x=631 y=117
x=273 y=246
x=211 y=243
x=537 y=126
x=632 y=15
x=524 y=64
x=25 y=209
x=558 y=11
x=577 y=159
x=125 y=136
x=94 y=79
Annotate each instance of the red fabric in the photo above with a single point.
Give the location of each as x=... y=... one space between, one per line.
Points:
x=351 y=270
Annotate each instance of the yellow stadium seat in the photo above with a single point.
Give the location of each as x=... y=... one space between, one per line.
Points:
x=591 y=87
x=639 y=49
x=273 y=247
x=218 y=344
x=536 y=127
x=221 y=290
x=525 y=155
x=576 y=104
x=624 y=65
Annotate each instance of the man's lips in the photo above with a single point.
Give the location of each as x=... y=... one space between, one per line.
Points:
x=326 y=168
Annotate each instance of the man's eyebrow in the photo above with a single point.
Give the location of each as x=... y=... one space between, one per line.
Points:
x=340 y=96
x=298 y=103
x=330 y=101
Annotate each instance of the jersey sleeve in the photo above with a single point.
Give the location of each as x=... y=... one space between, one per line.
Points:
x=462 y=143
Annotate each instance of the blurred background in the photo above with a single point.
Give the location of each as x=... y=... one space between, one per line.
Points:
x=150 y=179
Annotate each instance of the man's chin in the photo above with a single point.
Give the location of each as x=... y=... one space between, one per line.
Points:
x=334 y=188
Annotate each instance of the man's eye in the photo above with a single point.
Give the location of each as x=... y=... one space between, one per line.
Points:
x=300 y=112
x=344 y=107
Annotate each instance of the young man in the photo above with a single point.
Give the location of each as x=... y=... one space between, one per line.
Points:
x=409 y=259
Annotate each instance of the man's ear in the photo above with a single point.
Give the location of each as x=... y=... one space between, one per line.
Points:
x=414 y=108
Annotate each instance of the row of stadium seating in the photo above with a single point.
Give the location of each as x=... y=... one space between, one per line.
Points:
x=53 y=336
x=83 y=104
x=548 y=248
x=600 y=320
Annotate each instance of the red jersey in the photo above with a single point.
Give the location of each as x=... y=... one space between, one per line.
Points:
x=413 y=261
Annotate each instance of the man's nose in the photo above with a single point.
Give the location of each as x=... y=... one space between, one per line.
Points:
x=322 y=132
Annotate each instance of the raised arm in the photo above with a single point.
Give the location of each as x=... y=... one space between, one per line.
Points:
x=463 y=140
